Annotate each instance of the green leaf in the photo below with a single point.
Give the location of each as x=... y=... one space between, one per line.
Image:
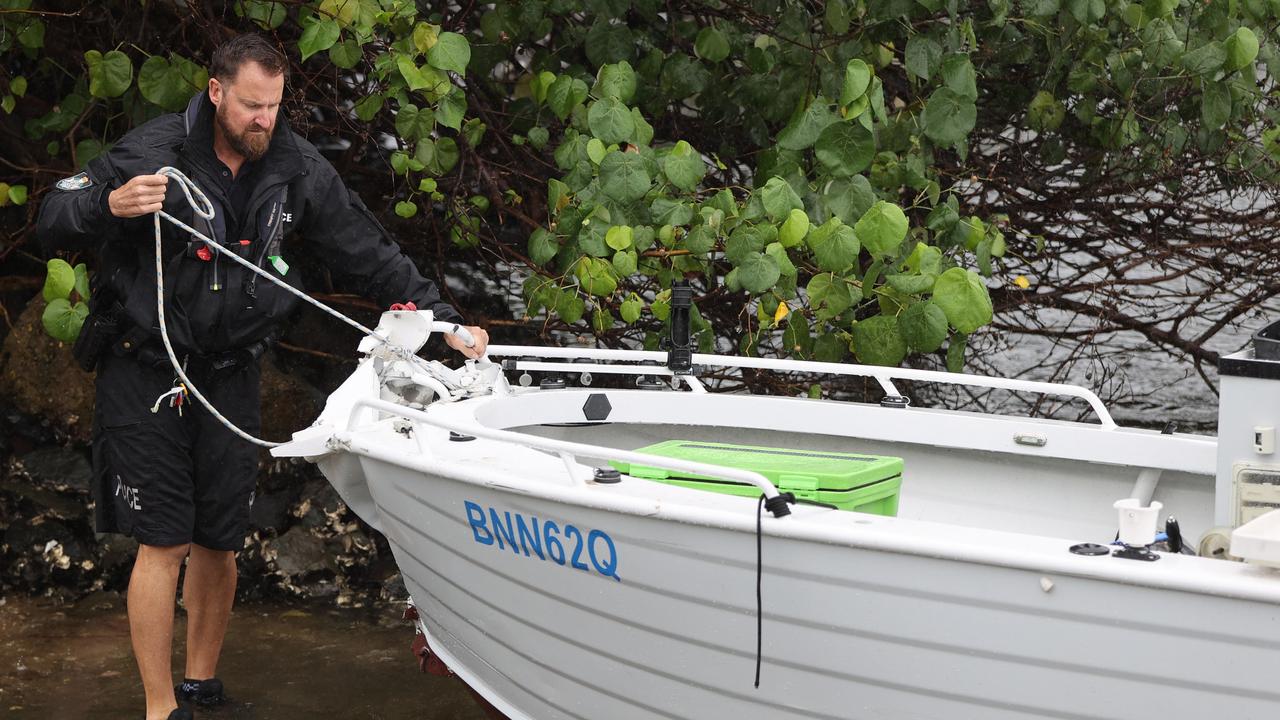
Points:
x=596 y=276
x=62 y=320
x=608 y=43
x=451 y=52
x=881 y=229
x=963 y=297
x=266 y=15
x=849 y=199
x=644 y=131
x=924 y=327
x=711 y=45
x=171 y=83
x=758 y=272
x=857 y=78
x=596 y=150
x=877 y=341
x=630 y=308
x=625 y=262
x=445 y=157
x=318 y=37
x=700 y=240
x=829 y=292
x=803 y=131
x=88 y=149
x=610 y=121
x=617 y=81
x=949 y=117
x=958 y=75
x=109 y=75
x=414 y=124
x=18 y=194
x=557 y=196
x=406 y=209
x=684 y=167
x=779 y=254
x=829 y=347
x=542 y=247
x=834 y=245
x=836 y=17
x=911 y=283
x=345 y=54
x=923 y=56
x=565 y=94
x=619 y=237
x=1087 y=11
x=59 y=281
x=794 y=229
x=368 y=107
x=31 y=36
x=743 y=243
x=18 y=86
x=82 y=281
x=1241 y=49
x=624 y=177
x=451 y=109
x=1205 y=60
x=671 y=212
x=538 y=137
x=779 y=199
x=845 y=148
x=570 y=307
x=1215 y=105
x=1045 y=112
x=340 y=11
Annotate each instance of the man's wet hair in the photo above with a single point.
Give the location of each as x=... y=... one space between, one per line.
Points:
x=250 y=47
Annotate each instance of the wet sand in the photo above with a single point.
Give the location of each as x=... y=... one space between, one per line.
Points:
x=279 y=663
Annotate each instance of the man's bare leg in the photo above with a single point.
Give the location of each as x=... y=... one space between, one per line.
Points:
x=208 y=593
x=151 y=590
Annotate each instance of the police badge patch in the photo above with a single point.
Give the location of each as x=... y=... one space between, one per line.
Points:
x=75 y=182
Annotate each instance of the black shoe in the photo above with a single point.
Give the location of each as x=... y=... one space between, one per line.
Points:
x=205 y=693
x=181 y=713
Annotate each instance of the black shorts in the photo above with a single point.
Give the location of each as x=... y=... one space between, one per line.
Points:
x=168 y=479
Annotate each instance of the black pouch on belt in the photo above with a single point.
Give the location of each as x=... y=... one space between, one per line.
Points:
x=100 y=329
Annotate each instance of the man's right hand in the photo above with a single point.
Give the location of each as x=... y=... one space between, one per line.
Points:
x=142 y=195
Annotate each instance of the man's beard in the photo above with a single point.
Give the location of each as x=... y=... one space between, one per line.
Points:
x=252 y=145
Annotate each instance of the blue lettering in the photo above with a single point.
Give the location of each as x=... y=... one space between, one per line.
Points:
x=609 y=569
x=572 y=532
x=528 y=538
x=475 y=516
x=547 y=540
x=551 y=531
x=501 y=531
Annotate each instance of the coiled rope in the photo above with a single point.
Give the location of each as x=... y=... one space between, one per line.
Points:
x=204 y=209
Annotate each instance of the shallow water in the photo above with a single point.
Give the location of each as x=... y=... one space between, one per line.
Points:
x=279 y=663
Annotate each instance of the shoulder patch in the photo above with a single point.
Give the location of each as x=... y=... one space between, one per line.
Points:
x=75 y=182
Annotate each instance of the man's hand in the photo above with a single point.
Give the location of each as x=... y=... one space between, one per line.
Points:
x=140 y=196
x=478 y=334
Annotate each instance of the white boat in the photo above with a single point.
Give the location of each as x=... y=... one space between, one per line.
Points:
x=556 y=592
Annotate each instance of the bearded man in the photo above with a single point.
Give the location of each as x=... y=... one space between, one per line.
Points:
x=166 y=472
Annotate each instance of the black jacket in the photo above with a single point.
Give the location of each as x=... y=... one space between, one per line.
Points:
x=216 y=306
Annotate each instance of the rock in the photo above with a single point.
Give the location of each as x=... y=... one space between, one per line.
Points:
x=298 y=554
x=289 y=403
x=38 y=374
x=60 y=469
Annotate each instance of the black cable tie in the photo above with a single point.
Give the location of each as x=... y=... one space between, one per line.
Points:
x=778 y=504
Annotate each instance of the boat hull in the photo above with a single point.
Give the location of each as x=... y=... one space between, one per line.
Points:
x=664 y=624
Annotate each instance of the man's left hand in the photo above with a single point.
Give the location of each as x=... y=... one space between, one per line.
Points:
x=478 y=334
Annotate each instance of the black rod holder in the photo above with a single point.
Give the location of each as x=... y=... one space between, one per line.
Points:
x=680 y=344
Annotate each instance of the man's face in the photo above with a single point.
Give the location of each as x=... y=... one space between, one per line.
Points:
x=247 y=108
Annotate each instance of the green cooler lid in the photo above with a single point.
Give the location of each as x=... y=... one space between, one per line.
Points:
x=789 y=469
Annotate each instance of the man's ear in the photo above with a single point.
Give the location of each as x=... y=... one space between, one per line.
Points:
x=215 y=91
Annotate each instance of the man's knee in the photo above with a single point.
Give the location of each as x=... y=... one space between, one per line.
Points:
x=163 y=554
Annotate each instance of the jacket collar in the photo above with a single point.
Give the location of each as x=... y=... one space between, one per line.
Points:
x=283 y=158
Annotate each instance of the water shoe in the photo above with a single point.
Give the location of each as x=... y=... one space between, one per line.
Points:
x=205 y=693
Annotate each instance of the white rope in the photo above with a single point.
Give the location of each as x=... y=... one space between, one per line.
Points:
x=203 y=208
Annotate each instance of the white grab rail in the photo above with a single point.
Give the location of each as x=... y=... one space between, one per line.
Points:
x=882 y=375
x=561 y=447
